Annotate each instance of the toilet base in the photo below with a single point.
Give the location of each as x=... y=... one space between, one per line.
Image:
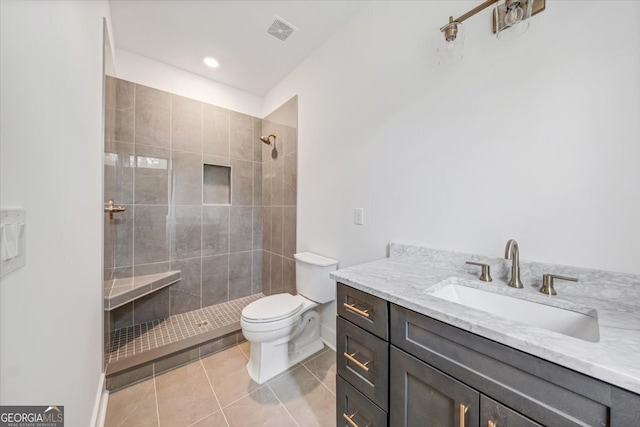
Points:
x=269 y=359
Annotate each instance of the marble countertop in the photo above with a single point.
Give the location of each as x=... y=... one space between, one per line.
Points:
x=411 y=274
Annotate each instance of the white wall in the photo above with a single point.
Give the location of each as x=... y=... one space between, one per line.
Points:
x=51 y=164
x=537 y=139
x=155 y=74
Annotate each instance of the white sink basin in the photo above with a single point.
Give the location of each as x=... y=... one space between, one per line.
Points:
x=582 y=325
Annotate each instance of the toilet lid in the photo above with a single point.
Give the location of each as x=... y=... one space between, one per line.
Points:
x=272 y=308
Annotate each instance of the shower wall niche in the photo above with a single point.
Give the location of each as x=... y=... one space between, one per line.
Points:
x=190 y=176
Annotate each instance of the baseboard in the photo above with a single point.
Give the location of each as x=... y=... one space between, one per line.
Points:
x=328 y=337
x=100 y=405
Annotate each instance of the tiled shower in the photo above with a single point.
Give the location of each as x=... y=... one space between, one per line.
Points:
x=203 y=195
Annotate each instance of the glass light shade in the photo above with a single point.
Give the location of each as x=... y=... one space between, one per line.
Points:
x=450 y=51
x=514 y=21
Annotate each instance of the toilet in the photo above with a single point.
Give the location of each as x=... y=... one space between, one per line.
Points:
x=284 y=329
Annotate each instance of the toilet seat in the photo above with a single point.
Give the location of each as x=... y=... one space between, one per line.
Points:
x=272 y=308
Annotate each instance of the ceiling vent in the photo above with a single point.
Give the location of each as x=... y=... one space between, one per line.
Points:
x=281 y=29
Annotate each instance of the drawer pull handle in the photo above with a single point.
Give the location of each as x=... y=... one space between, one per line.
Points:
x=349 y=419
x=463 y=414
x=492 y=423
x=361 y=365
x=353 y=308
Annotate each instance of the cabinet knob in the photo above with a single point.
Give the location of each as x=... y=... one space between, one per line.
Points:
x=547 y=283
x=485 y=276
x=492 y=423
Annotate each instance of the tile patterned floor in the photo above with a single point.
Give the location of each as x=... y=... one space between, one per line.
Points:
x=216 y=391
x=137 y=339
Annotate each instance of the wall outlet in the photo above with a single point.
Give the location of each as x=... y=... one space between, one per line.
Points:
x=358 y=216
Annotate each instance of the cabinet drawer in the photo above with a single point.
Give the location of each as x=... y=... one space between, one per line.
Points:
x=369 y=312
x=494 y=414
x=352 y=404
x=363 y=360
x=423 y=396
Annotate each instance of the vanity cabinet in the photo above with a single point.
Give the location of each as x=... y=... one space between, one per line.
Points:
x=423 y=372
x=514 y=388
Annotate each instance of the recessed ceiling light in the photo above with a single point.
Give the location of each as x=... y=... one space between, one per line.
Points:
x=211 y=62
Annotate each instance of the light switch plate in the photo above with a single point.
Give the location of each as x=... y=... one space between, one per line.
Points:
x=13 y=237
x=358 y=216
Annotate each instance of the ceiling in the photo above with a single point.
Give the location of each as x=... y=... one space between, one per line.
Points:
x=181 y=33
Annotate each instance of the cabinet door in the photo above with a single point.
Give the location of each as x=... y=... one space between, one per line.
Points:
x=420 y=395
x=493 y=414
x=355 y=410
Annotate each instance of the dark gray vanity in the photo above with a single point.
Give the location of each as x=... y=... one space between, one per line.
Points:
x=398 y=367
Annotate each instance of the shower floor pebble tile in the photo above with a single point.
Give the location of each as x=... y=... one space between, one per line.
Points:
x=216 y=391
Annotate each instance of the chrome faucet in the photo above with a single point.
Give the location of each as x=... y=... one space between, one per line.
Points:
x=511 y=251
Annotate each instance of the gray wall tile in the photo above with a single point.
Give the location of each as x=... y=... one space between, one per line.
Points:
x=257 y=228
x=289 y=231
x=124 y=111
x=240 y=274
x=186 y=232
x=266 y=228
x=241 y=182
x=122 y=236
x=150 y=307
x=215 y=130
x=276 y=230
x=266 y=272
x=257 y=184
x=151 y=234
x=257 y=145
x=187 y=178
x=289 y=276
x=267 y=178
x=186 y=124
x=241 y=136
x=125 y=168
x=256 y=285
x=241 y=228
x=290 y=139
x=125 y=95
x=290 y=180
x=152 y=124
x=215 y=280
x=151 y=175
x=215 y=230
x=185 y=295
x=276 y=274
x=277 y=181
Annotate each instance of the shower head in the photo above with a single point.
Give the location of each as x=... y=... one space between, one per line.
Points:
x=267 y=139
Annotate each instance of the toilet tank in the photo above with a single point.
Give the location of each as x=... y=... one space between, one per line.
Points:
x=312 y=277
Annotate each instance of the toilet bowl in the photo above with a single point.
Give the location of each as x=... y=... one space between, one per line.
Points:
x=284 y=329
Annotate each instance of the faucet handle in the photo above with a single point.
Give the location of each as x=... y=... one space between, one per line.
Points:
x=547 y=283
x=485 y=276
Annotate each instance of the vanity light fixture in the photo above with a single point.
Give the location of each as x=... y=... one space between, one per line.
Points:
x=509 y=18
x=211 y=62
